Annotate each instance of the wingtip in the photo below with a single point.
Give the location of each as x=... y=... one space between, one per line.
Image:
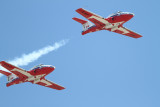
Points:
x=3 y=62
x=79 y=9
x=139 y=36
x=62 y=88
x=74 y=18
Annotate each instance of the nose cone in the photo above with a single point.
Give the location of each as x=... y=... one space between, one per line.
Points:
x=131 y=15
x=51 y=68
x=128 y=16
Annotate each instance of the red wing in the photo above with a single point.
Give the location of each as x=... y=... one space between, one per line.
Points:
x=50 y=84
x=127 y=32
x=17 y=71
x=132 y=34
x=96 y=19
x=86 y=13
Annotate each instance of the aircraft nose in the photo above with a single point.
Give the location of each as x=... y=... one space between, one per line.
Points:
x=52 y=67
x=129 y=16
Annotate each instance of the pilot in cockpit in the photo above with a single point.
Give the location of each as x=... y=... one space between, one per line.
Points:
x=115 y=14
x=36 y=67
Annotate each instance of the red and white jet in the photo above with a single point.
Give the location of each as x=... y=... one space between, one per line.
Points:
x=36 y=75
x=113 y=23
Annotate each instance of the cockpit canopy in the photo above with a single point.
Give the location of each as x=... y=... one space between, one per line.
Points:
x=116 y=14
x=119 y=13
x=38 y=66
x=41 y=66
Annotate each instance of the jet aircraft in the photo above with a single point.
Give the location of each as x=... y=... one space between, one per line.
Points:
x=112 y=23
x=36 y=75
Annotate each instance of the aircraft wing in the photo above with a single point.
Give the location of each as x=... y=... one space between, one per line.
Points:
x=124 y=31
x=50 y=84
x=96 y=19
x=17 y=71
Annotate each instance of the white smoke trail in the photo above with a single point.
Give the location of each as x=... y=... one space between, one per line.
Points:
x=25 y=59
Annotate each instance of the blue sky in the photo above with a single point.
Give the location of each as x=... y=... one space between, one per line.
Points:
x=101 y=69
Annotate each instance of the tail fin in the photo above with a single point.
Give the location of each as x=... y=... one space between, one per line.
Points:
x=5 y=73
x=10 y=77
x=86 y=24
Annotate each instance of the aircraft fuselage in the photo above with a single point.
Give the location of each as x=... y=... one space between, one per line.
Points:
x=36 y=74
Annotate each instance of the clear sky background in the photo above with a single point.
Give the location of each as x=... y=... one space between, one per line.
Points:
x=101 y=69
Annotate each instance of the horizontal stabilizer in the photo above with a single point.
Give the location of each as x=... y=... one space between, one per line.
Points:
x=5 y=73
x=79 y=20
